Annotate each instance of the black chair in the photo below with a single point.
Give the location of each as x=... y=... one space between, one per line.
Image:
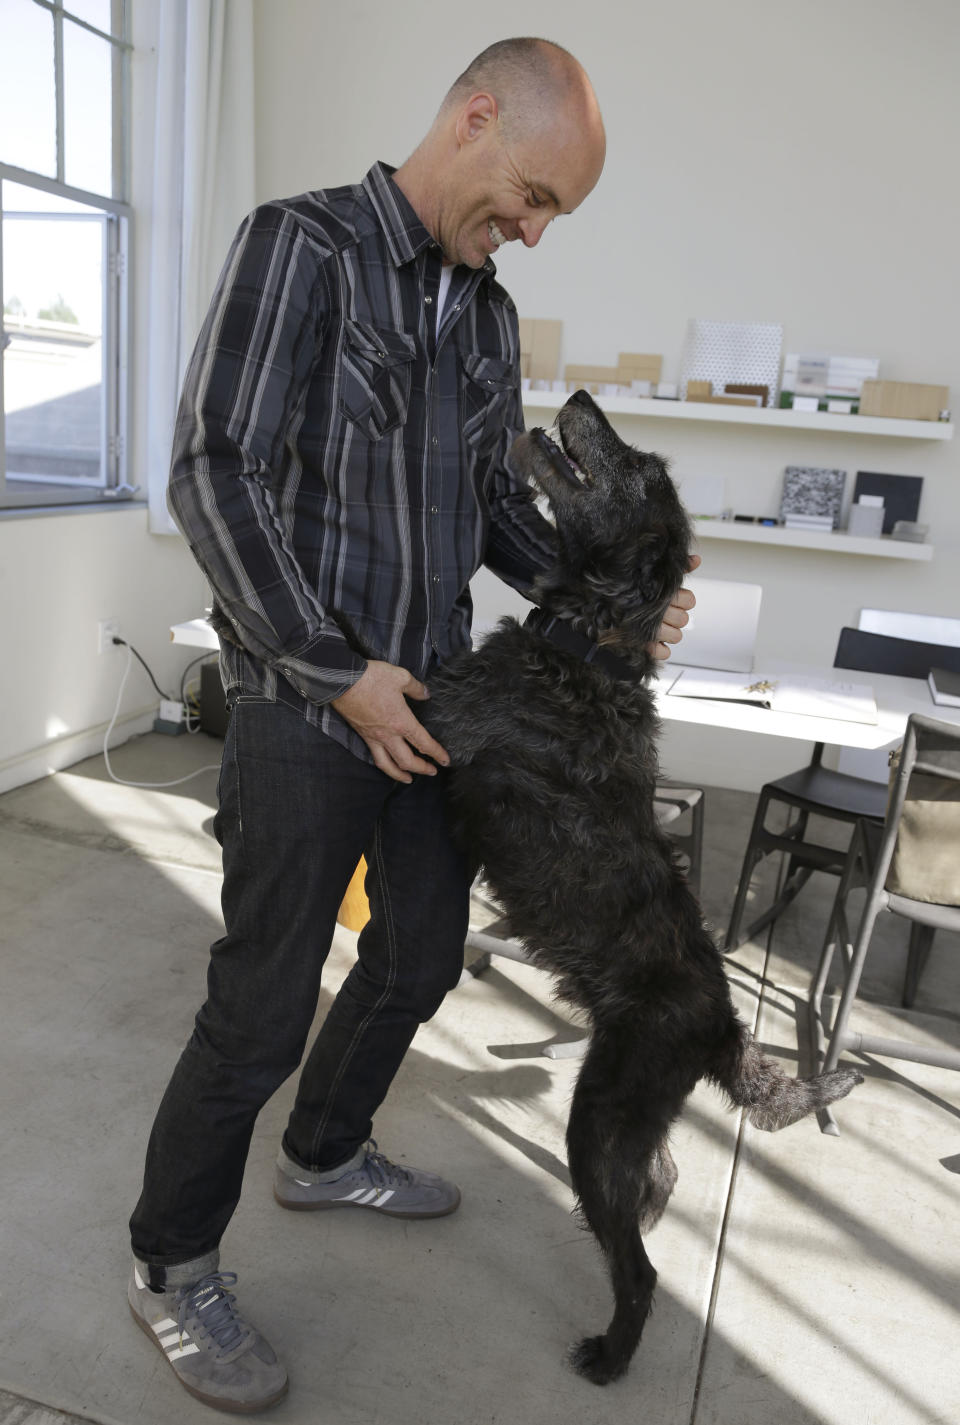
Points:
x=816 y=790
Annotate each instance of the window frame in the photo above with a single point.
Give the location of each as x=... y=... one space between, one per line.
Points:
x=116 y=270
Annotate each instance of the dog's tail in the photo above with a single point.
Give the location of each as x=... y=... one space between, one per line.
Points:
x=756 y=1083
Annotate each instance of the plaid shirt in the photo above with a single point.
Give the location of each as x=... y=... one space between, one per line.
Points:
x=340 y=467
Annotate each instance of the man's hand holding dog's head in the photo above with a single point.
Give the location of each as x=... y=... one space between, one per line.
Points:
x=676 y=617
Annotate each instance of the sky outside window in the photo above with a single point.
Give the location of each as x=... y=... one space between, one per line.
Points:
x=28 y=110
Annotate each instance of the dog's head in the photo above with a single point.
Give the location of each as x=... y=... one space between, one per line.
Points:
x=623 y=535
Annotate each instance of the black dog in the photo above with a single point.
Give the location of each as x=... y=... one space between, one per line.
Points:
x=551 y=730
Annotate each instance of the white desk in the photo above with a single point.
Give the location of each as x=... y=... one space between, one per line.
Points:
x=195 y=633
x=896 y=699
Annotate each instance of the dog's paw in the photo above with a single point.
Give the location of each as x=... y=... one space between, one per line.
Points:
x=793 y=1099
x=839 y=1082
x=591 y=1358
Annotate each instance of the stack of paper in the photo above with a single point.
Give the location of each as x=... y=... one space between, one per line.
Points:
x=783 y=693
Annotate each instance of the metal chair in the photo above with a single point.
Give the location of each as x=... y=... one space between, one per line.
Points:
x=930 y=748
x=816 y=789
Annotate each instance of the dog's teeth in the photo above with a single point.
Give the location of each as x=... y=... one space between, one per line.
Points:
x=546 y=509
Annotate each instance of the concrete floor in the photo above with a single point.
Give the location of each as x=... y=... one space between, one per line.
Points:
x=803 y=1278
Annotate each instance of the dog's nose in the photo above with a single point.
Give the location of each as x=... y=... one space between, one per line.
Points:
x=582 y=398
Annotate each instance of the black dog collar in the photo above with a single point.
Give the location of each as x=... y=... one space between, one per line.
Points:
x=558 y=631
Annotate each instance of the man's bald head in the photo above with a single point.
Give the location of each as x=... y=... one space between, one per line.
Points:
x=518 y=141
x=533 y=81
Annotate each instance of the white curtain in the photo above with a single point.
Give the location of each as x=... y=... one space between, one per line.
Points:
x=203 y=186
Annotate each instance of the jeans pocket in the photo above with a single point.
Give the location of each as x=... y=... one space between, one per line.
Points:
x=375 y=376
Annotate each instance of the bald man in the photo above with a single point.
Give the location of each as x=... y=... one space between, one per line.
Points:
x=340 y=472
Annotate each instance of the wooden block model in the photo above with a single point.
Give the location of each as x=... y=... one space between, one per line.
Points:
x=732 y=388
x=635 y=366
x=540 y=347
x=703 y=391
x=903 y=400
x=591 y=378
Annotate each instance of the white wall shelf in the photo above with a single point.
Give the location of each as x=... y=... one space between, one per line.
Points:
x=833 y=543
x=751 y=415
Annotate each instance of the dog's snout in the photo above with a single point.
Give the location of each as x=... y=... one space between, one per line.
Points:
x=581 y=398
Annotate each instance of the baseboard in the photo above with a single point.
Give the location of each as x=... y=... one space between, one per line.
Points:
x=72 y=747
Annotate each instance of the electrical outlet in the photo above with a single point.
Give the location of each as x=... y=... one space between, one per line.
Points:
x=107 y=630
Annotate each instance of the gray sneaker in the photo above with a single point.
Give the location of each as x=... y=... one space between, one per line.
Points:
x=368 y=1180
x=215 y=1354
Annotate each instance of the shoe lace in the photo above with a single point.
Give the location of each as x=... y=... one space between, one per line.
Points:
x=215 y=1309
x=383 y=1173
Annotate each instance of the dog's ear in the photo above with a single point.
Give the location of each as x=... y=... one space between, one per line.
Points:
x=660 y=568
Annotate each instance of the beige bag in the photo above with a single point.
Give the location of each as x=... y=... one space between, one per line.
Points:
x=926 y=858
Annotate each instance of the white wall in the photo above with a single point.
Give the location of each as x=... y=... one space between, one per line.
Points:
x=766 y=162
x=62 y=573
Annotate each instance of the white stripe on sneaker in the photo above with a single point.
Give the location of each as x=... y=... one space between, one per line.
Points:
x=184 y=1351
x=141 y=1284
x=165 y=1325
x=351 y=1196
x=374 y=1198
x=171 y=1340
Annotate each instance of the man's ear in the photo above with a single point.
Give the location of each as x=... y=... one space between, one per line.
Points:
x=477 y=117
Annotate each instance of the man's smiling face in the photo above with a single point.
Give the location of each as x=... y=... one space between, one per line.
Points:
x=502 y=190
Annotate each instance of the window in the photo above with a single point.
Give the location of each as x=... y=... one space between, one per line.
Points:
x=63 y=250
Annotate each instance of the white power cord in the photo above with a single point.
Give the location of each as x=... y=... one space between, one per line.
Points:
x=213 y=767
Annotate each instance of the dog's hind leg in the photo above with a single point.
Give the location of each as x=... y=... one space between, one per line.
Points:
x=622 y=1174
x=756 y=1083
x=661 y=1181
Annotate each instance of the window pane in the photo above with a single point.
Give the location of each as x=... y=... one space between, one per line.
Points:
x=53 y=390
x=28 y=109
x=95 y=12
x=87 y=110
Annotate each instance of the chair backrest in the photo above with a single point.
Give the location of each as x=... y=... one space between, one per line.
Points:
x=922 y=628
x=878 y=653
x=920 y=854
x=722 y=632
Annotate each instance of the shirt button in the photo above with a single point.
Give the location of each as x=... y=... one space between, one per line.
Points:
x=434 y=510
x=435 y=441
x=456 y=306
x=428 y=300
x=436 y=578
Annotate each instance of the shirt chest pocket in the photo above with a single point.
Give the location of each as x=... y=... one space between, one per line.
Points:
x=375 y=374
x=487 y=384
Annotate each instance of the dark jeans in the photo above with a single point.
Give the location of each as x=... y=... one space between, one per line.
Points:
x=296 y=813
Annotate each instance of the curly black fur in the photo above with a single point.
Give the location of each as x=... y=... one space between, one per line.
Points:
x=553 y=771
